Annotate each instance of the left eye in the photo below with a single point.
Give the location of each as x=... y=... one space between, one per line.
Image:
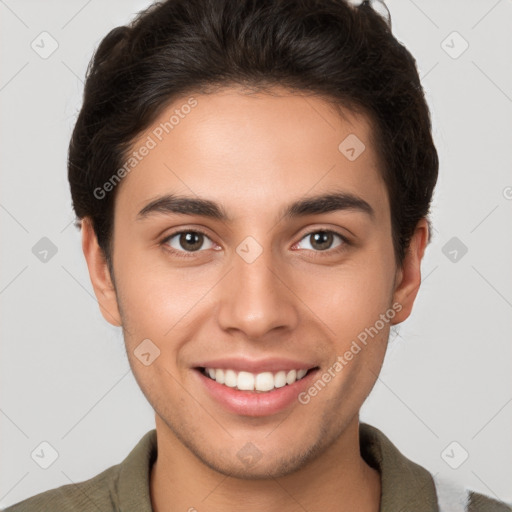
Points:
x=322 y=240
x=190 y=241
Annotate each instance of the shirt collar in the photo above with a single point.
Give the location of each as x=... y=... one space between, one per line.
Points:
x=404 y=484
x=134 y=474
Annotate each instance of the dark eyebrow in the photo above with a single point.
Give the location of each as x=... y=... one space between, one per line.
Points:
x=184 y=205
x=315 y=205
x=325 y=203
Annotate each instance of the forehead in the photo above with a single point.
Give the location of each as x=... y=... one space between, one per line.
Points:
x=254 y=147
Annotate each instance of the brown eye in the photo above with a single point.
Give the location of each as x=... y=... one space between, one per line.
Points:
x=322 y=240
x=187 y=241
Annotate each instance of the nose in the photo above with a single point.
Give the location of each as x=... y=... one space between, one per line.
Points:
x=257 y=297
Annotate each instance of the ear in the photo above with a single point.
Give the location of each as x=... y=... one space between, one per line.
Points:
x=408 y=278
x=100 y=274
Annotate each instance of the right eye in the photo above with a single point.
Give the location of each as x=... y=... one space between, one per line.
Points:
x=187 y=241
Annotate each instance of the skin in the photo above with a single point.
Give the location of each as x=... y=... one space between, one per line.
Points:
x=254 y=154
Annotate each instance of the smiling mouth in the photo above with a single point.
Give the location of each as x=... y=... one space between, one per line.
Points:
x=263 y=382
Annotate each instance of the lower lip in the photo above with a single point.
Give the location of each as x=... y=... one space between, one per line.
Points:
x=251 y=403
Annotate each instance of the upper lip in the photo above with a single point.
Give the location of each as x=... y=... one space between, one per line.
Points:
x=256 y=365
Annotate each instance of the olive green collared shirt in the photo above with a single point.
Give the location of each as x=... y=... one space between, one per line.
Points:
x=405 y=486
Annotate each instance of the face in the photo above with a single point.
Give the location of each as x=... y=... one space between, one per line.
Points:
x=266 y=286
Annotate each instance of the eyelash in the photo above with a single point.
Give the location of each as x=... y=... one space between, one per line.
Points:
x=191 y=254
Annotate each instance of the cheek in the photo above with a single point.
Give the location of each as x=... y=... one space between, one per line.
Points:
x=357 y=308
x=157 y=299
x=348 y=298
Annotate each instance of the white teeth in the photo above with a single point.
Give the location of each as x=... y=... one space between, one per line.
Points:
x=264 y=381
x=230 y=379
x=280 y=379
x=291 y=377
x=246 y=381
x=219 y=376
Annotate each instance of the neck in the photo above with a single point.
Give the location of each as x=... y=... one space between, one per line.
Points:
x=338 y=480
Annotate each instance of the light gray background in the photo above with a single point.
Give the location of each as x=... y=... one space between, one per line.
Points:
x=65 y=378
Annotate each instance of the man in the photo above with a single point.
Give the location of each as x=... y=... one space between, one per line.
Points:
x=253 y=181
